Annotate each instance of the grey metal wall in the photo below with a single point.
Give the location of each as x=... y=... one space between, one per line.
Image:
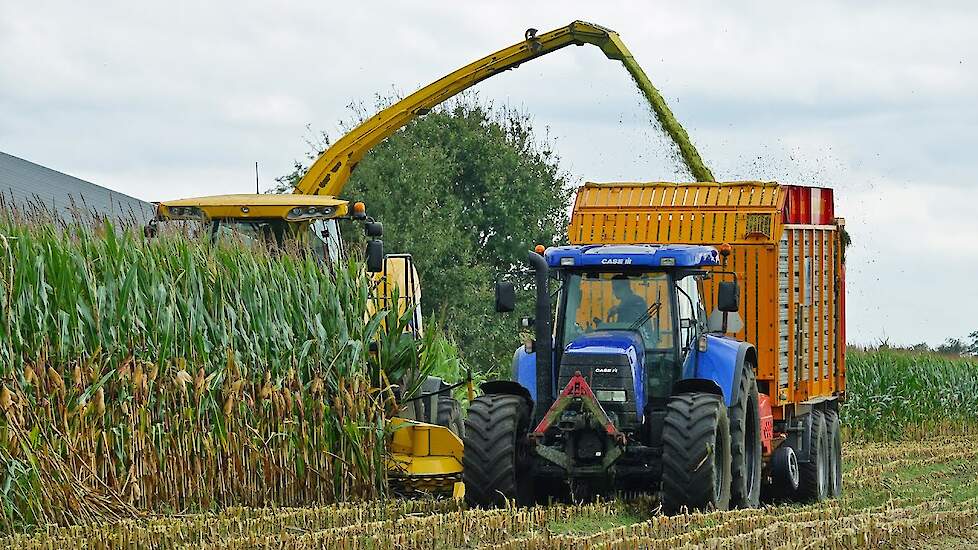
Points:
x=25 y=182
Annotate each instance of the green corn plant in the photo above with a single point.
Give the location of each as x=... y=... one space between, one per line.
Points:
x=177 y=374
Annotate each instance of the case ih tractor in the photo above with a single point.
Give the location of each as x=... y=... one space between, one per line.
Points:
x=630 y=386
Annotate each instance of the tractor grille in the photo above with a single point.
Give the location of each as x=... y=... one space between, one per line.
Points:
x=604 y=371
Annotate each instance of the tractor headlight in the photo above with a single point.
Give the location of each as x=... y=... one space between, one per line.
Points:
x=616 y=396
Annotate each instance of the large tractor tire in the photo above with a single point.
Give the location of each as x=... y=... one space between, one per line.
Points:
x=695 y=454
x=834 y=429
x=813 y=483
x=449 y=415
x=745 y=443
x=494 y=462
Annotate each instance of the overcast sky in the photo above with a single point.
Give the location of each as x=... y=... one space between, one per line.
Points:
x=875 y=99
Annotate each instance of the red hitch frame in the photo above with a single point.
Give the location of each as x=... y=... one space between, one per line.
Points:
x=578 y=389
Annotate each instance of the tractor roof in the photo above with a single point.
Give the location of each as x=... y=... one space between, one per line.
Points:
x=632 y=255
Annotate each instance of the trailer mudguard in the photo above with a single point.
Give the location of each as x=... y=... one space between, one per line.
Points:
x=722 y=362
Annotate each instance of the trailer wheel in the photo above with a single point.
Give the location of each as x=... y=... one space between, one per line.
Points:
x=745 y=443
x=494 y=462
x=813 y=485
x=449 y=415
x=695 y=454
x=834 y=427
x=784 y=475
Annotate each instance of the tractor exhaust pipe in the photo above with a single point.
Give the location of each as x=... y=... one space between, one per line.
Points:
x=544 y=337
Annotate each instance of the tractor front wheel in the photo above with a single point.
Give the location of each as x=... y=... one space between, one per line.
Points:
x=495 y=459
x=695 y=454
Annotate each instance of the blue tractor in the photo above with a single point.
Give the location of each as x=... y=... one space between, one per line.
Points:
x=630 y=386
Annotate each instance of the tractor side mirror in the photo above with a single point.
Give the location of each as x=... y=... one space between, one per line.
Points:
x=375 y=256
x=728 y=296
x=374 y=229
x=505 y=296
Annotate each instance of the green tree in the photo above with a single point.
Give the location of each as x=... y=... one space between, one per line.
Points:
x=467 y=190
x=952 y=346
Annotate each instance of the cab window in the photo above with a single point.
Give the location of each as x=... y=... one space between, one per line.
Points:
x=688 y=299
x=325 y=240
x=620 y=301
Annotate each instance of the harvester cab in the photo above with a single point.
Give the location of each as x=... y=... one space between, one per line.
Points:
x=303 y=222
x=628 y=391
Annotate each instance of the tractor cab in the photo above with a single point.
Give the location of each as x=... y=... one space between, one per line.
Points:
x=627 y=317
x=626 y=327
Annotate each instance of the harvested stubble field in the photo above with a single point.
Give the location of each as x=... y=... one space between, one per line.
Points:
x=908 y=494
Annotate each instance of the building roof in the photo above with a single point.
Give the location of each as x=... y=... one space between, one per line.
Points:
x=24 y=183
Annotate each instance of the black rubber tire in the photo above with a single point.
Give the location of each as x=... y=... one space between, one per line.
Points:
x=695 y=454
x=834 y=428
x=745 y=443
x=785 y=475
x=495 y=456
x=450 y=415
x=813 y=483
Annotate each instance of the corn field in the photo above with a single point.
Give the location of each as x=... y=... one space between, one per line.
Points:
x=932 y=491
x=895 y=394
x=172 y=375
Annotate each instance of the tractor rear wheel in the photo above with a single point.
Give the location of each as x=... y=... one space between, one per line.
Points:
x=449 y=415
x=813 y=483
x=745 y=443
x=834 y=428
x=695 y=454
x=494 y=462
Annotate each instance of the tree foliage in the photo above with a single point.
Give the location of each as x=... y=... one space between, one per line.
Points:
x=467 y=190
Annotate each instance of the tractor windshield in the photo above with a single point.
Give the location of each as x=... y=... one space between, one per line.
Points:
x=620 y=301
